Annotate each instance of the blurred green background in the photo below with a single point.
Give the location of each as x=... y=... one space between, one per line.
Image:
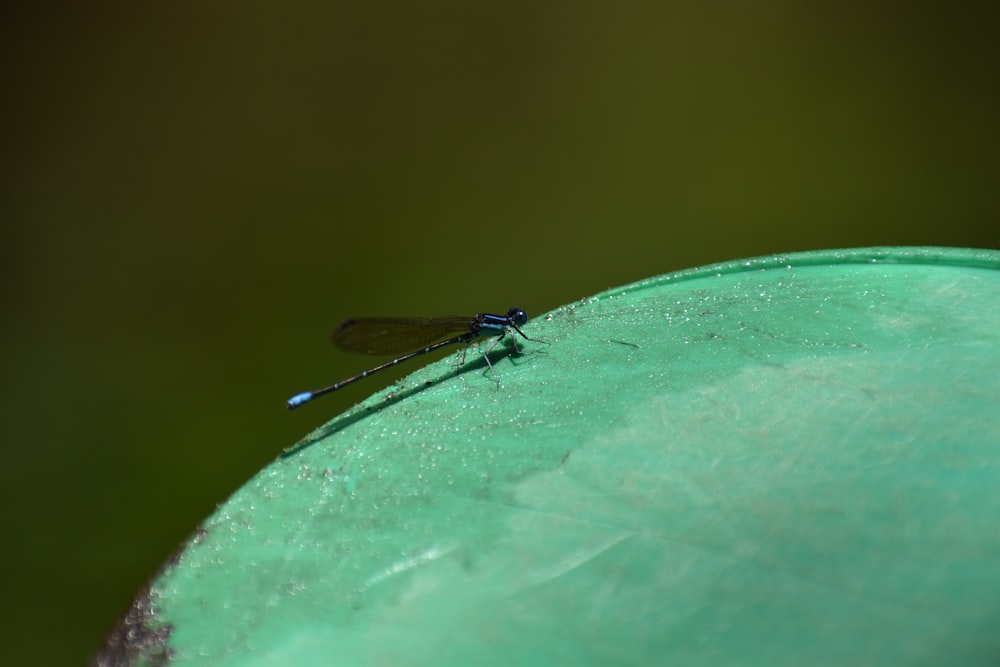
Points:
x=194 y=194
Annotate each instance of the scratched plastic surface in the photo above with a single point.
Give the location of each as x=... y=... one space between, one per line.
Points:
x=780 y=461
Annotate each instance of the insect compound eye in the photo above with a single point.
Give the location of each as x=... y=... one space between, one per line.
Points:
x=518 y=316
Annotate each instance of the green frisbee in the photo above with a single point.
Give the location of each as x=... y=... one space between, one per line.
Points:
x=785 y=460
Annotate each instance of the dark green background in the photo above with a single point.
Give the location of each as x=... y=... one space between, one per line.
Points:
x=194 y=194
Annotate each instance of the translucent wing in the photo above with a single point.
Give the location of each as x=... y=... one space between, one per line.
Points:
x=395 y=335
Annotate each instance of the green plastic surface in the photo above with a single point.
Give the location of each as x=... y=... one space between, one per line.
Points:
x=780 y=461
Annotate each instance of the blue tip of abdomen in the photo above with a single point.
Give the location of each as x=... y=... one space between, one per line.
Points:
x=299 y=399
